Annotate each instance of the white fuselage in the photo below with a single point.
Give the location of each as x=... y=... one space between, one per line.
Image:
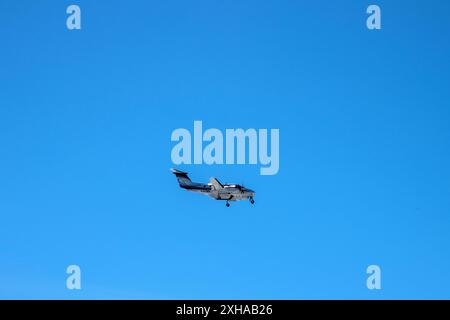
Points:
x=228 y=192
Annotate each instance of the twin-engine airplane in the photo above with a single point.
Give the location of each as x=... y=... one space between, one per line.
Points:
x=214 y=189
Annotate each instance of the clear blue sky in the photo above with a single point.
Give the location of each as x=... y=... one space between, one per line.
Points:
x=85 y=124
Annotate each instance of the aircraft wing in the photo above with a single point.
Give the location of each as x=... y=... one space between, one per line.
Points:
x=216 y=184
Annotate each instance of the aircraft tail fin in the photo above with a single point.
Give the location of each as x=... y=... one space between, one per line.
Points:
x=217 y=185
x=182 y=177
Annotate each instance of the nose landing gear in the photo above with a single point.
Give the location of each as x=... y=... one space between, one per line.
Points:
x=252 y=201
x=227 y=204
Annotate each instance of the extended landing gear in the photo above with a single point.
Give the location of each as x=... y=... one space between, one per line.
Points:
x=252 y=201
x=227 y=204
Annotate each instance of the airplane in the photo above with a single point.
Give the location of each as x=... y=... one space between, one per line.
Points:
x=214 y=189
